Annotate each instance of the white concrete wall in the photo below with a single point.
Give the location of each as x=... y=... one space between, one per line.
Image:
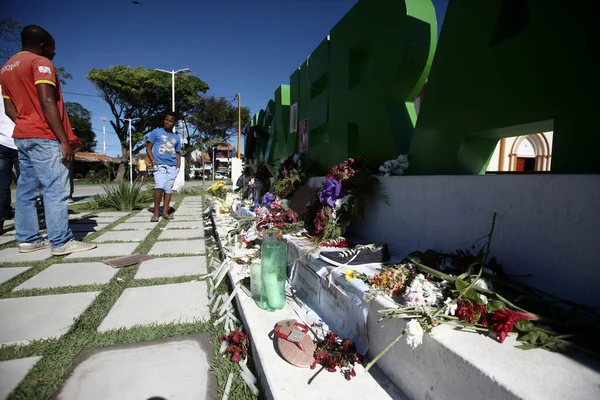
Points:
x=547 y=225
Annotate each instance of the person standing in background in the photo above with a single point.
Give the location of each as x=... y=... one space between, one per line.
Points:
x=44 y=137
x=142 y=169
x=9 y=159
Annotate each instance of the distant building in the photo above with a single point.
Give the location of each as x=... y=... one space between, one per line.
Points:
x=528 y=153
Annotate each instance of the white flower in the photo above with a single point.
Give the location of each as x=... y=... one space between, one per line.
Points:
x=482 y=284
x=422 y=292
x=484 y=299
x=396 y=166
x=451 y=306
x=414 y=333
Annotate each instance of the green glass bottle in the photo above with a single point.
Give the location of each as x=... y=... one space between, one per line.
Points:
x=273 y=273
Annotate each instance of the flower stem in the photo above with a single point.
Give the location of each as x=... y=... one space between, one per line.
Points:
x=389 y=346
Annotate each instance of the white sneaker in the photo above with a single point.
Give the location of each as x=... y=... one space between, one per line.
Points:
x=72 y=246
x=30 y=247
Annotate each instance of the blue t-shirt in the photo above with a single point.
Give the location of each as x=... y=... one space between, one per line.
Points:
x=165 y=147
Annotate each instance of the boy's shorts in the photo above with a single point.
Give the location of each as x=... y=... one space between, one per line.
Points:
x=164 y=177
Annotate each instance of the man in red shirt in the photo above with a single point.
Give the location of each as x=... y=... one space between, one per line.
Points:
x=43 y=135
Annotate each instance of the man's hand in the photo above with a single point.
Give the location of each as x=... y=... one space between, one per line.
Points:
x=67 y=152
x=154 y=163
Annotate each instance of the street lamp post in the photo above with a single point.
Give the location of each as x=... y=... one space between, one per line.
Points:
x=173 y=83
x=181 y=175
x=103 y=119
x=130 y=151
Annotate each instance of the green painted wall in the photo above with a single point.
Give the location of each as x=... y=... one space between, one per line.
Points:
x=508 y=68
x=381 y=53
x=261 y=138
x=280 y=128
x=293 y=139
x=358 y=86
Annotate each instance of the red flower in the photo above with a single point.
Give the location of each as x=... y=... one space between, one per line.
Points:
x=505 y=321
x=469 y=311
x=236 y=358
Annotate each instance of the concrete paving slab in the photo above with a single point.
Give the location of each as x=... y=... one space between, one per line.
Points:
x=179 y=303
x=140 y=218
x=78 y=215
x=82 y=235
x=13 y=255
x=6 y=239
x=175 y=368
x=12 y=372
x=97 y=220
x=181 y=234
x=185 y=224
x=106 y=250
x=88 y=227
x=128 y=226
x=59 y=275
x=171 y=267
x=188 y=218
x=122 y=236
x=178 y=247
x=41 y=317
x=7 y=274
x=119 y=214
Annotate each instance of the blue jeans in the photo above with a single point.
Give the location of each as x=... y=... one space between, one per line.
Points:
x=41 y=166
x=8 y=158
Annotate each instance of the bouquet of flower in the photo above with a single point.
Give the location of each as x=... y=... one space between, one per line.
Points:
x=263 y=172
x=289 y=178
x=343 y=196
x=218 y=189
x=397 y=166
x=432 y=297
x=333 y=353
x=390 y=281
x=239 y=343
x=273 y=214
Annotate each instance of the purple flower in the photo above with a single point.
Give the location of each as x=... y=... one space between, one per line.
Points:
x=267 y=199
x=330 y=192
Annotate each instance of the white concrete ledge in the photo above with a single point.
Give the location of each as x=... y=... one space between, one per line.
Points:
x=450 y=364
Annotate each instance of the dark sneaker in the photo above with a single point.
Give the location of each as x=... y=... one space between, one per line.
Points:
x=359 y=256
x=30 y=247
x=72 y=246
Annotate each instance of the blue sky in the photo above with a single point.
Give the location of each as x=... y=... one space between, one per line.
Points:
x=246 y=46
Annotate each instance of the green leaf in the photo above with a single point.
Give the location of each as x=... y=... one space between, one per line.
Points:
x=527 y=346
x=464 y=276
x=494 y=305
x=525 y=326
x=461 y=285
x=473 y=295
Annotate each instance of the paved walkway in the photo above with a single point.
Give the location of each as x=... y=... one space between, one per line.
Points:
x=62 y=289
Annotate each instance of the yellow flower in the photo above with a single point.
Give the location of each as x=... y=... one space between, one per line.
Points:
x=350 y=274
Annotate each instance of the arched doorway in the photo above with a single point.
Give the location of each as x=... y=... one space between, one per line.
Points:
x=530 y=153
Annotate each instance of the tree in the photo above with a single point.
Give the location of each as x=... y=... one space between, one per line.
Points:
x=10 y=32
x=81 y=121
x=145 y=94
x=9 y=37
x=216 y=118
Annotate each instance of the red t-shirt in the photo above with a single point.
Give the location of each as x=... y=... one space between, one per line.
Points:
x=19 y=78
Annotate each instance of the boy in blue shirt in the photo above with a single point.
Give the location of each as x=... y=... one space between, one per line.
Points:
x=163 y=147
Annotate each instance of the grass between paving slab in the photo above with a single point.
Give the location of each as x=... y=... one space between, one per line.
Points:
x=59 y=355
